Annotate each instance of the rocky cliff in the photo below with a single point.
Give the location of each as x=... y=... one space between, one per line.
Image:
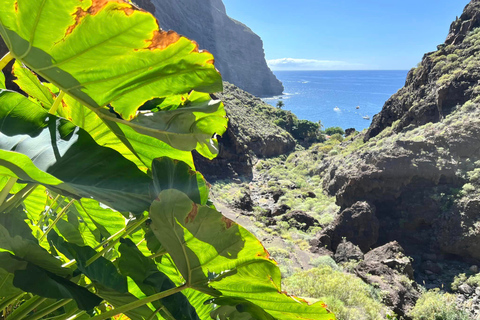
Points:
x=419 y=170
x=251 y=134
x=238 y=52
x=444 y=79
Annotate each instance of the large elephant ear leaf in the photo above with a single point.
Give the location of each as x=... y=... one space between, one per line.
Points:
x=174 y=174
x=65 y=157
x=59 y=40
x=216 y=256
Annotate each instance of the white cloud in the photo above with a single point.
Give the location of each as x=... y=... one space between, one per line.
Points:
x=312 y=64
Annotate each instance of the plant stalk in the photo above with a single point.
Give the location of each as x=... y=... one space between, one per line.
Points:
x=5 y=60
x=133 y=305
x=6 y=190
x=26 y=308
x=57 y=102
x=59 y=216
x=49 y=309
x=8 y=302
x=18 y=197
x=127 y=232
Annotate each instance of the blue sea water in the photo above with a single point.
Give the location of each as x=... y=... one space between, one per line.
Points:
x=333 y=96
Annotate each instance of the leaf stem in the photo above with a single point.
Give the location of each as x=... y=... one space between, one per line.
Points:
x=10 y=301
x=5 y=60
x=49 y=309
x=18 y=197
x=158 y=254
x=57 y=102
x=127 y=232
x=75 y=316
x=6 y=190
x=133 y=305
x=59 y=216
x=26 y=308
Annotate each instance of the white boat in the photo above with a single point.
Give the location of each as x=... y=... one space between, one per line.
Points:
x=336 y=109
x=366 y=117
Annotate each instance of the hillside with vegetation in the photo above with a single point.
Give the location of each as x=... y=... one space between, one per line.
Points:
x=390 y=215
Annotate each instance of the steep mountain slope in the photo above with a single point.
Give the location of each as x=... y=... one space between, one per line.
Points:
x=444 y=79
x=420 y=167
x=238 y=51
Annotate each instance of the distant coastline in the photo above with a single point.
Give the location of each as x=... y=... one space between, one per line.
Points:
x=332 y=96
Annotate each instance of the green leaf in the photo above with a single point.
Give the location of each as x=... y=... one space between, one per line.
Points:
x=30 y=84
x=7 y=289
x=2 y=80
x=200 y=240
x=216 y=256
x=236 y=308
x=259 y=283
x=45 y=284
x=118 y=299
x=150 y=280
x=138 y=148
x=101 y=270
x=102 y=222
x=144 y=62
x=16 y=237
x=173 y=174
x=68 y=154
x=186 y=124
x=31 y=278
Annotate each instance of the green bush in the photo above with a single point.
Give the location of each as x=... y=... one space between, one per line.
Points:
x=435 y=305
x=305 y=129
x=346 y=295
x=337 y=136
x=333 y=130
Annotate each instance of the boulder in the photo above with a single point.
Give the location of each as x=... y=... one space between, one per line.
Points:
x=387 y=268
x=357 y=224
x=245 y=202
x=300 y=220
x=278 y=210
x=347 y=251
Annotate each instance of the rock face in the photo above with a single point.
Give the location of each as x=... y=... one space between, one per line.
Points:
x=357 y=224
x=238 y=52
x=251 y=134
x=420 y=165
x=391 y=271
x=347 y=251
x=444 y=79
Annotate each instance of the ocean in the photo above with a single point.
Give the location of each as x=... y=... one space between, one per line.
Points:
x=338 y=98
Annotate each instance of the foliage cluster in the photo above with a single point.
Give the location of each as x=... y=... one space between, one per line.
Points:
x=436 y=305
x=472 y=280
x=333 y=130
x=348 y=296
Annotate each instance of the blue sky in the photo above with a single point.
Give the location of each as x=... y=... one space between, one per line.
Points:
x=347 y=34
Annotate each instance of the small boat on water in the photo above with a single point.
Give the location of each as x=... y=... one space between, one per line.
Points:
x=358 y=107
x=336 y=109
x=366 y=117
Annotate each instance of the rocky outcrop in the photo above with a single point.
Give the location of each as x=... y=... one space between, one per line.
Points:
x=251 y=134
x=420 y=165
x=444 y=79
x=388 y=269
x=347 y=251
x=300 y=220
x=357 y=224
x=238 y=51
